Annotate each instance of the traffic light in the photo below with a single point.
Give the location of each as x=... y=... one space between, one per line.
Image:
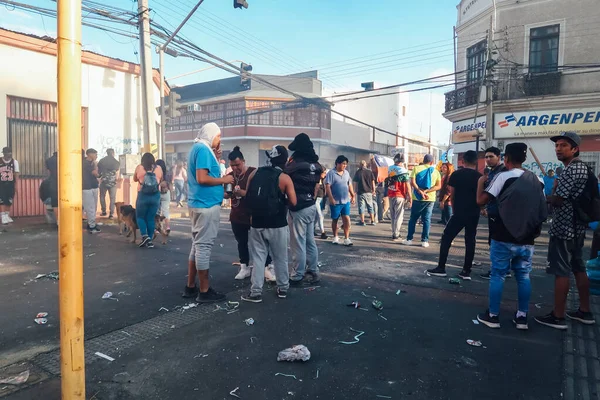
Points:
x=172 y=108
x=240 y=4
x=246 y=81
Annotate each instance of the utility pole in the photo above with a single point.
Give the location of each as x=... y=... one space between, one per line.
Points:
x=148 y=110
x=70 y=241
x=163 y=115
x=489 y=119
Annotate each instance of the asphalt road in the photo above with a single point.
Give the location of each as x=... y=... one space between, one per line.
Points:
x=417 y=350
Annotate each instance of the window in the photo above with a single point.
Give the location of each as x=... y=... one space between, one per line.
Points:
x=234 y=117
x=543 y=49
x=476 y=62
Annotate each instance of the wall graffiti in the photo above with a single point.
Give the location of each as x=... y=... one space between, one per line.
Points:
x=535 y=168
x=121 y=145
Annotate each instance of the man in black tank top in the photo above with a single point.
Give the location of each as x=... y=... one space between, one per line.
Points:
x=269 y=234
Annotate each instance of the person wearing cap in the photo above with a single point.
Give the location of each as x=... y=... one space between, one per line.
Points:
x=268 y=188
x=205 y=195
x=567 y=235
x=425 y=180
x=340 y=193
x=305 y=171
x=9 y=172
x=108 y=168
x=90 y=189
x=399 y=194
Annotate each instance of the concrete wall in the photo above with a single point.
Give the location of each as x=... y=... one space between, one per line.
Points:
x=113 y=98
x=344 y=133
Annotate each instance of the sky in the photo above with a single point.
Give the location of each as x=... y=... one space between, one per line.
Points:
x=347 y=41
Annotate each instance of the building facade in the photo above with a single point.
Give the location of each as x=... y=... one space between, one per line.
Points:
x=543 y=69
x=111 y=110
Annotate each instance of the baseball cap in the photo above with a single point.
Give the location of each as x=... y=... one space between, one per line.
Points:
x=277 y=151
x=7 y=150
x=572 y=136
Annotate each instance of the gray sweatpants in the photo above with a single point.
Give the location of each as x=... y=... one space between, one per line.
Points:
x=265 y=241
x=205 y=227
x=302 y=242
x=90 y=205
x=112 y=195
x=397 y=214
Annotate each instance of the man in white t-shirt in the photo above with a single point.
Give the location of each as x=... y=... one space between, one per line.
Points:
x=9 y=172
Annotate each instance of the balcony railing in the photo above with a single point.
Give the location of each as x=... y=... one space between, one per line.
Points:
x=463 y=97
x=542 y=84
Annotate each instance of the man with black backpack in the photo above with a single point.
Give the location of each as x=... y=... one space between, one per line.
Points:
x=574 y=204
x=521 y=212
x=266 y=195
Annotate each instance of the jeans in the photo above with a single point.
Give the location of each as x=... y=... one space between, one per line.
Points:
x=456 y=224
x=90 y=206
x=146 y=208
x=397 y=214
x=446 y=214
x=262 y=242
x=179 y=189
x=112 y=196
x=319 y=218
x=422 y=209
x=302 y=242
x=504 y=256
x=242 y=235
x=380 y=206
x=365 y=200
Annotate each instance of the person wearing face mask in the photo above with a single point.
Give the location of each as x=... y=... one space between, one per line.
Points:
x=205 y=195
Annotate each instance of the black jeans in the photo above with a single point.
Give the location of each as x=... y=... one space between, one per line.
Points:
x=241 y=233
x=456 y=224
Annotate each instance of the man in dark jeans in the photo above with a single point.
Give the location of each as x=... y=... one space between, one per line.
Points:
x=365 y=185
x=108 y=168
x=463 y=192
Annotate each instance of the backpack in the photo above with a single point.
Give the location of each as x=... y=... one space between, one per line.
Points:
x=150 y=184
x=520 y=221
x=423 y=180
x=264 y=198
x=587 y=205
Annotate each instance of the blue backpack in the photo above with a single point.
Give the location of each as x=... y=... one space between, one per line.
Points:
x=423 y=180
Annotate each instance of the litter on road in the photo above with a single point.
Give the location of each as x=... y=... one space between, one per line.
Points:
x=41 y=321
x=378 y=305
x=41 y=315
x=474 y=343
x=52 y=275
x=356 y=338
x=538 y=305
x=289 y=376
x=354 y=304
x=383 y=397
x=163 y=309
x=232 y=393
x=102 y=355
x=454 y=281
x=366 y=295
x=382 y=317
x=476 y=322
x=298 y=352
x=16 y=379
x=252 y=341
x=317 y=377
x=201 y=356
x=400 y=291
x=108 y=295
x=249 y=321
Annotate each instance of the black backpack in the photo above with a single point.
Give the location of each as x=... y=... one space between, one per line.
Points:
x=587 y=205
x=264 y=198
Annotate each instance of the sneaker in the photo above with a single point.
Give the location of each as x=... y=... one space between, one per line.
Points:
x=244 y=273
x=425 y=244
x=316 y=277
x=210 y=296
x=254 y=298
x=552 y=321
x=297 y=283
x=103 y=214
x=373 y=223
x=486 y=319
x=407 y=242
x=336 y=240
x=110 y=216
x=9 y=219
x=149 y=245
x=508 y=275
x=282 y=294
x=144 y=242
x=4 y=219
x=190 y=292
x=360 y=223
x=520 y=322
x=441 y=272
x=465 y=275
x=323 y=235
x=586 y=318
x=486 y=276
x=94 y=230
x=270 y=273
x=348 y=242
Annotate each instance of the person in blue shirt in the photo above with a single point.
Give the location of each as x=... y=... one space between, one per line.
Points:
x=205 y=195
x=549 y=182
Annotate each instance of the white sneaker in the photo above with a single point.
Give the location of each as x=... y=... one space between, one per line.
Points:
x=270 y=273
x=407 y=242
x=336 y=240
x=348 y=242
x=425 y=244
x=4 y=219
x=244 y=273
x=9 y=219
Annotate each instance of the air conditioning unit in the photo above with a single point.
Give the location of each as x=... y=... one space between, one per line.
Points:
x=193 y=107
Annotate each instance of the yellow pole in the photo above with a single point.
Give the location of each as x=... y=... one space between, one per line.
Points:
x=72 y=357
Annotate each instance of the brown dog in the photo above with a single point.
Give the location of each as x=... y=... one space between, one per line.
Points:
x=126 y=219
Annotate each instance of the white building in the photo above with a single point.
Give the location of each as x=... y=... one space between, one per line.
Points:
x=111 y=108
x=546 y=80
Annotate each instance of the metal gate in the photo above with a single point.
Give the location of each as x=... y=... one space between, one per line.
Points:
x=592 y=159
